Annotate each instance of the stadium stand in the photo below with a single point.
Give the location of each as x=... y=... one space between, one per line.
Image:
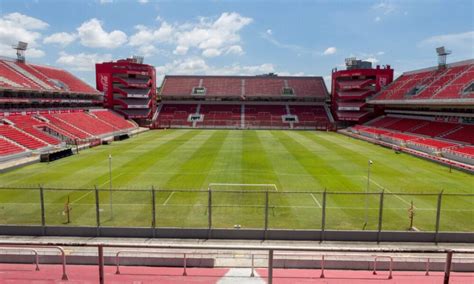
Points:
x=112 y=119
x=243 y=102
x=445 y=85
x=8 y=148
x=21 y=137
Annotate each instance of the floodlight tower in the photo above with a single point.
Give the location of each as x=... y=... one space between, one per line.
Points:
x=20 y=50
x=442 y=54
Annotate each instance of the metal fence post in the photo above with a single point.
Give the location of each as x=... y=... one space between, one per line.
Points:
x=97 y=209
x=380 y=215
x=447 y=268
x=438 y=215
x=209 y=211
x=153 y=210
x=43 y=217
x=101 y=264
x=323 y=216
x=270 y=266
x=266 y=214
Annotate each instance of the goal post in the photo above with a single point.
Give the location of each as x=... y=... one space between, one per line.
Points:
x=245 y=204
x=242 y=187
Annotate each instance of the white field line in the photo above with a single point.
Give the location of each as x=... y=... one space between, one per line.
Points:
x=89 y=192
x=388 y=190
x=249 y=206
x=244 y=184
x=168 y=199
x=316 y=201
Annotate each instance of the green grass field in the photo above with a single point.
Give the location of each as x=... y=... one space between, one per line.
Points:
x=296 y=162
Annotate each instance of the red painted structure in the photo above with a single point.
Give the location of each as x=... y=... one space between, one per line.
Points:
x=129 y=88
x=351 y=88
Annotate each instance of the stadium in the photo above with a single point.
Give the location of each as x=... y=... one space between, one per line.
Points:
x=283 y=171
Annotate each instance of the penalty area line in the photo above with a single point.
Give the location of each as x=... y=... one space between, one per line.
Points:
x=89 y=192
x=168 y=199
x=386 y=189
x=316 y=201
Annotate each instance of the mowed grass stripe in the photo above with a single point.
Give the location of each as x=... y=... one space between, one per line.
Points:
x=200 y=163
x=81 y=174
x=283 y=162
x=79 y=169
x=313 y=162
x=197 y=165
x=227 y=167
x=159 y=174
x=393 y=174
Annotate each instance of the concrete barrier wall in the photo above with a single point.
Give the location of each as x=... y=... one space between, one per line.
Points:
x=249 y=234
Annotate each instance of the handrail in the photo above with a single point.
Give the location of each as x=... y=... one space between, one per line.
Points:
x=28 y=249
x=117 y=258
x=269 y=249
x=390 y=267
x=32 y=245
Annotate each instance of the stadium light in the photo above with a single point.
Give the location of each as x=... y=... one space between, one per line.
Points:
x=110 y=186
x=369 y=163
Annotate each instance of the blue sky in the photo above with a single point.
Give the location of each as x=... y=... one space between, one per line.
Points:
x=237 y=37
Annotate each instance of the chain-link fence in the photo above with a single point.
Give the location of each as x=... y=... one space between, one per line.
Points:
x=249 y=209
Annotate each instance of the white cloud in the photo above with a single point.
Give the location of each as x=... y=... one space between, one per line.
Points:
x=330 y=50
x=211 y=52
x=16 y=27
x=180 y=50
x=82 y=61
x=143 y=1
x=235 y=49
x=106 y=1
x=210 y=37
x=371 y=59
x=63 y=39
x=269 y=31
x=460 y=42
x=147 y=35
x=92 y=34
x=385 y=7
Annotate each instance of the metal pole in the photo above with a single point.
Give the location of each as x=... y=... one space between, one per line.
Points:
x=153 y=210
x=184 y=265
x=322 y=266
x=447 y=268
x=438 y=216
x=323 y=218
x=252 y=274
x=270 y=266
x=367 y=195
x=209 y=211
x=380 y=215
x=43 y=218
x=101 y=264
x=110 y=187
x=97 y=208
x=266 y=213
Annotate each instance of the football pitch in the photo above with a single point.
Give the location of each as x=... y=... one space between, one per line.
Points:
x=297 y=166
